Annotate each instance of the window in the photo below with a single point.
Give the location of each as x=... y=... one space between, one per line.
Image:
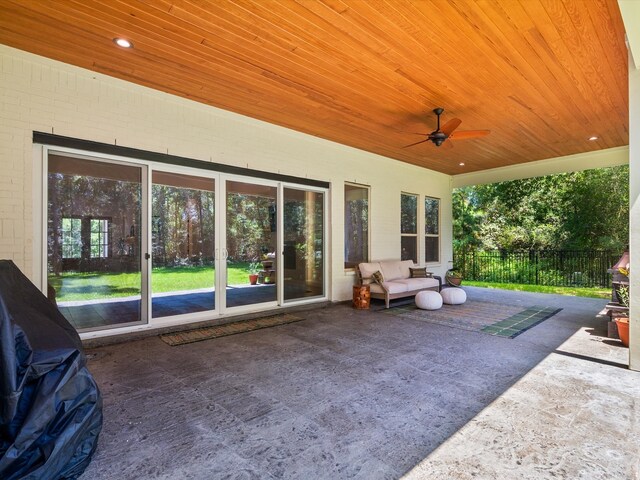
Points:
x=71 y=238
x=356 y=225
x=99 y=238
x=431 y=230
x=74 y=236
x=409 y=227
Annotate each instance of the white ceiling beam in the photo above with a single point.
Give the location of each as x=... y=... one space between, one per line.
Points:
x=571 y=163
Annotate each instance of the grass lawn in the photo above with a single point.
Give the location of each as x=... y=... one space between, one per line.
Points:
x=74 y=286
x=593 y=292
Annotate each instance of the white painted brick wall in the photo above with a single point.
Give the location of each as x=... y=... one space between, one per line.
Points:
x=48 y=96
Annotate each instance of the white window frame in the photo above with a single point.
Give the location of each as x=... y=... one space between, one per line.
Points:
x=71 y=235
x=103 y=237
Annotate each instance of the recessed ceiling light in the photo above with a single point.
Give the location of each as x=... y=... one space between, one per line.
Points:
x=461 y=164
x=123 y=42
x=592 y=138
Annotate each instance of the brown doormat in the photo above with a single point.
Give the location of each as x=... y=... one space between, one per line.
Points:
x=206 y=333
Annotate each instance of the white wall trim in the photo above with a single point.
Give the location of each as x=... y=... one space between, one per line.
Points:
x=630 y=10
x=571 y=163
x=634 y=216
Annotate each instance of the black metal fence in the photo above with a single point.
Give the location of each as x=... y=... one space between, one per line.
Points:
x=562 y=268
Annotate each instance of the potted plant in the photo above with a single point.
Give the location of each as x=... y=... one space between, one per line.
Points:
x=623 y=322
x=254 y=268
x=453 y=277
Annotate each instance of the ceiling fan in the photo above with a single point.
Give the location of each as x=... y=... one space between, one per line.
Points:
x=439 y=135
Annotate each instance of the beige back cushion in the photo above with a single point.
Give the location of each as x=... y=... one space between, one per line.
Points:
x=405 y=268
x=368 y=269
x=392 y=270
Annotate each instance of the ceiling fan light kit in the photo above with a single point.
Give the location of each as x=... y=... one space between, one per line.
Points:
x=439 y=135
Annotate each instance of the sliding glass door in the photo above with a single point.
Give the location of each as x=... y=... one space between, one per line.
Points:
x=94 y=241
x=303 y=250
x=251 y=243
x=128 y=243
x=183 y=244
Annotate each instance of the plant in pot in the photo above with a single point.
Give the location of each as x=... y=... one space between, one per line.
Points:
x=623 y=322
x=453 y=277
x=254 y=268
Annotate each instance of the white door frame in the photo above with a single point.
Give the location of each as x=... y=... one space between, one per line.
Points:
x=41 y=154
x=325 y=250
x=223 y=242
x=145 y=265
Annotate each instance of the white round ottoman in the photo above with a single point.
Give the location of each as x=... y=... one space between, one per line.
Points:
x=428 y=300
x=453 y=296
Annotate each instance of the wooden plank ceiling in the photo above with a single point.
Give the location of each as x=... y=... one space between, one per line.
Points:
x=542 y=75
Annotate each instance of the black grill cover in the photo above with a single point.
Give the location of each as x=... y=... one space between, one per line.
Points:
x=50 y=405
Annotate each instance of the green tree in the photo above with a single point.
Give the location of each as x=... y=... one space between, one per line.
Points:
x=467 y=220
x=597 y=209
x=579 y=210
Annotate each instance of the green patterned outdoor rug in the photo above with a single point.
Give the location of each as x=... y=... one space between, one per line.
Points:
x=206 y=333
x=507 y=321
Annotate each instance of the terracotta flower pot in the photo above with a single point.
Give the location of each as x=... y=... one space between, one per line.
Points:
x=623 y=330
x=253 y=278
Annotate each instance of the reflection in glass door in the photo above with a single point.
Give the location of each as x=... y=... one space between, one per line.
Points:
x=303 y=235
x=183 y=244
x=94 y=247
x=251 y=242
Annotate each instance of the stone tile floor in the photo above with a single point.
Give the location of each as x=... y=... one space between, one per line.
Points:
x=362 y=394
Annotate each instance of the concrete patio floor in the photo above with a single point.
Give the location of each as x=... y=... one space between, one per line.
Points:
x=363 y=394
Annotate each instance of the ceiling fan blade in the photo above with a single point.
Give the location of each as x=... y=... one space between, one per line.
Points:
x=417 y=143
x=470 y=134
x=448 y=145
x=450 y=126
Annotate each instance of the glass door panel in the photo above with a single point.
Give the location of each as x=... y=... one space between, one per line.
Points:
x=183 y=244
x=94 y=242
x=251 y=242
x=303 y=236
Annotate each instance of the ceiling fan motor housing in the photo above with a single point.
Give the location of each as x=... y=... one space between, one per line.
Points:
x=437 y=138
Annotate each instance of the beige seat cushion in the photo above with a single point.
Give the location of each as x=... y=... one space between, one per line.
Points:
x=418 y=283
x=392 y=287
